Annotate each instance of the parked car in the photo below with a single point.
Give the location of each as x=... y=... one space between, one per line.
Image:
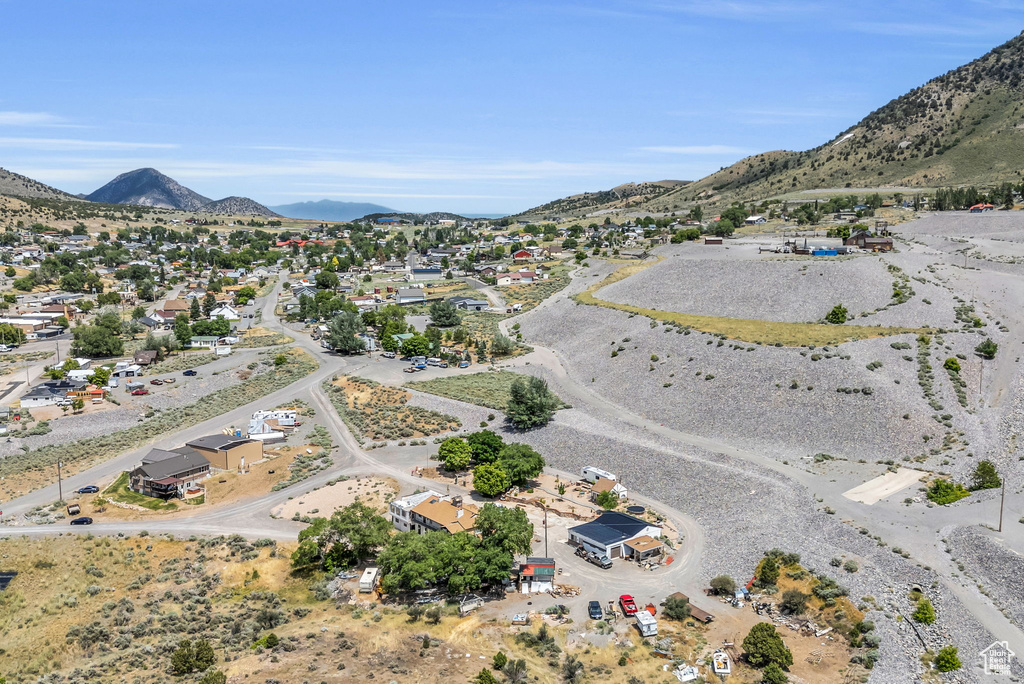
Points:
x=169 y=381
x=443 y=364
x=388 y=355
x=628 y=604
x=603 y=562
x=410 y=369
x=84 y=520
x=88 y=489
x=190 y=373
x=594 y=610
x=464 y=364
x=140 y=392
x=156 y=381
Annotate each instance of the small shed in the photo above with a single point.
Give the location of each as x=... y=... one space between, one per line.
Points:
x=711 y=240
x=537 y=575
x=644 y=548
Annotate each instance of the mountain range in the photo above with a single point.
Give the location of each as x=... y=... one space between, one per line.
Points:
x=330 y=210
x=22 y=186
x=150 y=188
x=963 y=127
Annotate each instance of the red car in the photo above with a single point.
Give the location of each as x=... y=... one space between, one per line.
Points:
x=628 y=604
x=139 y=392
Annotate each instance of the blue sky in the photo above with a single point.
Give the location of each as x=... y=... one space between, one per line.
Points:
x=461 y=106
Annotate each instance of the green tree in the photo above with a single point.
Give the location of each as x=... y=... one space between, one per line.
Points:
x=530 y=404
x=987 y=349
x=735 y=215
x=342 y=331
x=108 y=299
x=204 y=655
x=485 y=445
x=9 y=334
x=349 y=536
x=96 y=341
x=138 y=312
x=515 y=670
x=245 y=295
x=985 y=476
x=444 y=314
x=838 y=315
x=763 y=645
x=723 y=228
x=182 y=329
x=499 y=660
x=417 y=345
x=327 y=280
x=10 y=272
x=768 y=575
x=194 y=311
x=209 y=303
x=794 y=601
x=77 y=404
x=521 y=462
x=925 y=612
x=501 y=345
x=944 y=492
x=490 y=480
x=455 y=453
x=676 y=608
x=723 y=585
x=773 y=674
x=947 y=660
x=192 y=657
x=506 y=529
x=607 y=500
x=216 y=328
x=572 y=669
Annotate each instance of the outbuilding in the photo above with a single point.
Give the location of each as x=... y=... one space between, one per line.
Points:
x=537 y=575
x=609 y=533
x=228 y=452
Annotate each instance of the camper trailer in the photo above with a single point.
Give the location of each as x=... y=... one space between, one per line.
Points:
x=592 y=474
x=368 y=581
x=646 y=623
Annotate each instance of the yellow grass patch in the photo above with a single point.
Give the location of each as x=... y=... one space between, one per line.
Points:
x=743 y=329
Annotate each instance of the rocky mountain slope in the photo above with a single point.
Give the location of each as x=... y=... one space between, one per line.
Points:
x=329 y=210
x=148 y=188
x=17 y=185
x=237 y=206
x=964 y=127
x=625 y=196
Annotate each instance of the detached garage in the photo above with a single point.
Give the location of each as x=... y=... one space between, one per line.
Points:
x=610 y=533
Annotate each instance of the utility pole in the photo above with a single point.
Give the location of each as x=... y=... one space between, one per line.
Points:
x=57 y=345
x=1002 y=500
x=60 y=488
x=546 y=532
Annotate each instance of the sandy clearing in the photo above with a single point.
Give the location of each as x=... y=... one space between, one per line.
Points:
x=873 y=491
x=373 y=491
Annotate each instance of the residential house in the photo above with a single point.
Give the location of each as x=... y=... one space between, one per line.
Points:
x=426 y=274
x=442 y=514
x=522 y=256
x=609 y=534
x=755 y=220
x=204 y=341
x=177 y=305
x=144 y=357
x=606 y=485
x=123 y=369
x=400 y=510
x=228 y=452
x=517 y=278
x=174 y=474
x=52 y=391
x=225 y=311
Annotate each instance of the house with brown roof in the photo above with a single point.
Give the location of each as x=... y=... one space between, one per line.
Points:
x=443 y=514
x=176 y=305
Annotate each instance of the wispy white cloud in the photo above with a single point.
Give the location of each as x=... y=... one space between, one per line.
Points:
x=10 y=118
x=70 y=144
x=696 y=149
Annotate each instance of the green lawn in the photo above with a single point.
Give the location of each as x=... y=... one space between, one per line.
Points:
x=119 y=491
x=489 y=389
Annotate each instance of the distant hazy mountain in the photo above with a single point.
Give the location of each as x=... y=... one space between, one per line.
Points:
x=329 y=210
x=149 y=188
x=237 y=206
x=21 y=186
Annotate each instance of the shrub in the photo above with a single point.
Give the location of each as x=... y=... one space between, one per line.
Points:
x=952 y=365
x=499 y=660
x=723 y=585
x=676 y=608
x=985 y=476
x=925 y=612
x=987 y=349
x=794 y=601
x=947 y=659
x=850 y=566
x=944 y=492
x=838 y=315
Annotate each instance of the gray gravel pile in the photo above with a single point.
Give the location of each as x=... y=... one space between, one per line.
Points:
x=997 y=569
x=796 y=290
x=747 y=391
x=992 y=225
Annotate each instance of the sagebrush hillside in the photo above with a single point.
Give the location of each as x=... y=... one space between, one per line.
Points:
x=624 y=196
x=16 y=185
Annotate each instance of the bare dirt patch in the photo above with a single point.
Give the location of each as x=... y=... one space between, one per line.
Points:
x=372 y=491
